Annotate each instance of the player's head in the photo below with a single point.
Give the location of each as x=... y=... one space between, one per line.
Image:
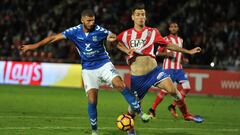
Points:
x=173 y=27
x=139 y=14
x=88 y=19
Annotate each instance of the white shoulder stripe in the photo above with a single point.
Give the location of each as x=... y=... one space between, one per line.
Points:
x=144 y=34
x=124 y=39
x=150 y=42
x=134 y=35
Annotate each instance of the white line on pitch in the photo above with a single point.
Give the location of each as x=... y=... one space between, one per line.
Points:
x=75 y=117
x=112 y=128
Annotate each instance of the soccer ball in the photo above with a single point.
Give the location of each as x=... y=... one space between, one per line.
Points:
x=125 y=122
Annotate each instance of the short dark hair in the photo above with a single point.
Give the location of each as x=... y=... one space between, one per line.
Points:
x=172 y=22
x=138 y=6
x=87 y=12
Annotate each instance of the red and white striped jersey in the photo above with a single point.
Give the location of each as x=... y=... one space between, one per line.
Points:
x=142 y=41
x=175 y=61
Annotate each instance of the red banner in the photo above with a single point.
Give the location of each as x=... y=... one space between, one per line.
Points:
x=22 y=73
x=208 y=82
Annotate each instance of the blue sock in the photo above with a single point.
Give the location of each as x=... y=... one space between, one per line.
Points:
x=131 y=99
x=92 y=112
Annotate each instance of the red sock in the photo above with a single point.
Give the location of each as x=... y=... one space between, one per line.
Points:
x=182 y=107
x=184 y=92
x=174 y=103
x=158 y=99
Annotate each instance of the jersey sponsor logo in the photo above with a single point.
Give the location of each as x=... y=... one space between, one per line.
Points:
x=88 y=48
x=137 y=43
x=80 y=38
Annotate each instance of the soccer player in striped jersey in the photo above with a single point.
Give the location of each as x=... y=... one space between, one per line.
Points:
x=96 y=65
x=172 y=65
x=138 y=42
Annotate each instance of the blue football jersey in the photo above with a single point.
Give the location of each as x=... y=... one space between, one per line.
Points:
x=90 y=46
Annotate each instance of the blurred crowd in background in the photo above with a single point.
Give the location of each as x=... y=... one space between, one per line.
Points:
x=213 y=25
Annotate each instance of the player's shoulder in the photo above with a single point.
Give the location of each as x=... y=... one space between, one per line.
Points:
x=180 y=38
x=75 y=27
x=151 y=29
x=101 y=29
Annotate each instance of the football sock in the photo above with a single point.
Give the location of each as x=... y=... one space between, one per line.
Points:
x=131 y=99
x=184 y=92
x=92 y=112
x=182 y=107
x=158 y=99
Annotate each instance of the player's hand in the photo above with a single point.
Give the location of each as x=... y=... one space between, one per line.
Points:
x=169 y=54
x=25 y=48
x=130 y=51
x=195 y=50
x=111 y=37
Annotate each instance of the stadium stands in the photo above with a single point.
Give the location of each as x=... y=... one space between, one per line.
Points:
x=212 y=25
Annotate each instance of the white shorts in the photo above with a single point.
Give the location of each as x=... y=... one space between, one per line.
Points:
x=103 y=75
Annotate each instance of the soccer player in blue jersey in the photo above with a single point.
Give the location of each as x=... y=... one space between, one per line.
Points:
x=96 y=65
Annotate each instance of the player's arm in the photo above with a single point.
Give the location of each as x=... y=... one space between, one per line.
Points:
x=173 y=47
x=111 y=40
x=166 y=54
x=161 y=41
x=50 y=39
x=163 y=52
x=124 y=49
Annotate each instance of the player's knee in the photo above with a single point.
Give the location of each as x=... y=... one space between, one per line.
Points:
x=119 y=85
x=92 y=96
x=177 y=95
x=186 y=85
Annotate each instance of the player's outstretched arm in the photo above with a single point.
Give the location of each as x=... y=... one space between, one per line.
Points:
x=173 y=47
x=123 y=48
x=50 y=39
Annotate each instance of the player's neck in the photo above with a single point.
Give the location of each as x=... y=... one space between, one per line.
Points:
x=175 y=35
x=86 y=30
x=138 y=27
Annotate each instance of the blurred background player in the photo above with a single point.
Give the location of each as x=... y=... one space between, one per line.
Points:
x=96 y=65
x=172 y=65
x=138 y=42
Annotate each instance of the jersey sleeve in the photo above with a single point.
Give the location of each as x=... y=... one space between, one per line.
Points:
x=119 y=37
x=69 y=33
x=104 y=32
x=160 y=50
x=159 y=39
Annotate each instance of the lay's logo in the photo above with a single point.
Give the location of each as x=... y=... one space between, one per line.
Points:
x=23 y=73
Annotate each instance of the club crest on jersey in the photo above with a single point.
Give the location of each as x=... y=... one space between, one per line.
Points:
x=137 y=43
x=94 y=38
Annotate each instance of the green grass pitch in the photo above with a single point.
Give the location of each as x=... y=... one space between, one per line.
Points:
x=28 y=110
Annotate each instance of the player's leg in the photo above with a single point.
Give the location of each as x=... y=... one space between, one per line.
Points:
x=181 y=78
x=92 y=109
x=184 y=91
x=168 y=85
x=111 y=76
x=160 y=95
x=91 y=85
x=159 y=98
x=130 y=98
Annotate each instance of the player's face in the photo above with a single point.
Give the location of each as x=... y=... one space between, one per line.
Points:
x=173 y=28
x=88 y=22
x=139 y=17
